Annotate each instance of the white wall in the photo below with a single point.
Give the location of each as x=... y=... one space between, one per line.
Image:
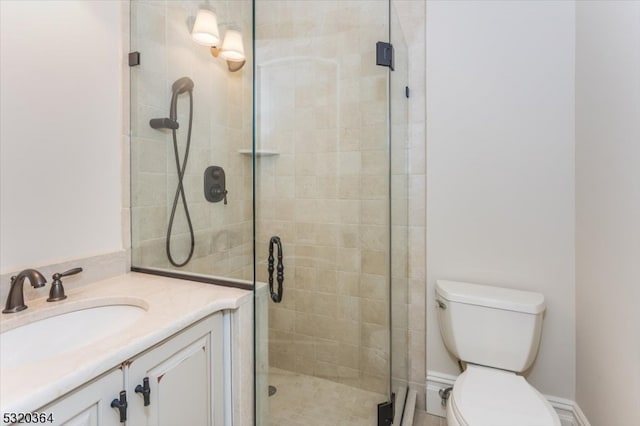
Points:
x=608 y=211
x=61 y=127
x=500 y=164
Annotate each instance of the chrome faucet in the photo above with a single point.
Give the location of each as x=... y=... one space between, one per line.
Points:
x=15 y=300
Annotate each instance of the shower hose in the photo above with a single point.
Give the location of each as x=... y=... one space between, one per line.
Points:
x=180 y=169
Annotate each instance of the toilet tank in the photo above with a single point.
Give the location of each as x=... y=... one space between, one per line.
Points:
x=492 y=326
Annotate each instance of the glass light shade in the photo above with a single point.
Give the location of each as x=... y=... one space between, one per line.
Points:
x=232 y=47
x=205 y=28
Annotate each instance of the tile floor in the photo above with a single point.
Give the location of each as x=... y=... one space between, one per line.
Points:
x=421 y=418
x=310 y=401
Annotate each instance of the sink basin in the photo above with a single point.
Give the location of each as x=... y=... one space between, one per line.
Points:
x=64 y=332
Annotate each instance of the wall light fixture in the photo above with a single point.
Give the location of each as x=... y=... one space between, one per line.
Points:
x=205 y=28
x=205 y=31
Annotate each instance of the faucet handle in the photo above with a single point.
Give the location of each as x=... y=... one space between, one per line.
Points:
x=67 y=273
x=57 y=290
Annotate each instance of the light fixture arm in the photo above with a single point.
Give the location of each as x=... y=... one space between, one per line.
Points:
x=233 y=66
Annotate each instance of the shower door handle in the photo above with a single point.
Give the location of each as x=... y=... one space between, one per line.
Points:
x=276 y=296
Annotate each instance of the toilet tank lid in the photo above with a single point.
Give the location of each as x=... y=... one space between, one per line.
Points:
x=494 y=297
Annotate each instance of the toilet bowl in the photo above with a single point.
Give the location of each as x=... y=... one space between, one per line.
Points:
x=496 y=332
x=484 y=396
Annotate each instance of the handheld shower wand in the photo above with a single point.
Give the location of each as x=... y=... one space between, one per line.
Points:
x=180 y=86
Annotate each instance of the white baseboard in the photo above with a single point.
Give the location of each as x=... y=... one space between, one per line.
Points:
x=579 y=416
x=569 y=412
x=435 y=382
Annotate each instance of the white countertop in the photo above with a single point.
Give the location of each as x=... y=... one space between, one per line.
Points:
x=171 y=304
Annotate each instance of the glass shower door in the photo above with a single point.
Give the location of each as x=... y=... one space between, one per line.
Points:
x=323 y=185
x=326 y=174
x=191 y=118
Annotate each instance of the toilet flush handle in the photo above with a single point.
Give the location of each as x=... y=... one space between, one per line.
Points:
x=441 y=304
x=445 y=393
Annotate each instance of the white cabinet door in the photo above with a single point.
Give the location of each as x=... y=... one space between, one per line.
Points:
x=185 y=379
x=89 y=405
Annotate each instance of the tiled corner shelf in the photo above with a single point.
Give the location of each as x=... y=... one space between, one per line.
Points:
x=259 y=152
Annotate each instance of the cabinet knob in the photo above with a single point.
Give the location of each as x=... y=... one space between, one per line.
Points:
x=121 y=405
x=145 y=390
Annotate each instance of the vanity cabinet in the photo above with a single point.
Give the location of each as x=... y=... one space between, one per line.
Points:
x=184 y=384
x=185 y=379
x=89 y=405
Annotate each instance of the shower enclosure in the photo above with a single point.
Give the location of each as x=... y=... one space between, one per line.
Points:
x=307 y=144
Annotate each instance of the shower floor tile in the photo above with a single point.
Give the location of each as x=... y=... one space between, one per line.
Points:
x=310 y=401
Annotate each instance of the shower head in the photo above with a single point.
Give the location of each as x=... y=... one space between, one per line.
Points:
x=181 y=85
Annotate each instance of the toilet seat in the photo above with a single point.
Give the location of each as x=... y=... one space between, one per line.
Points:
x=484 y=396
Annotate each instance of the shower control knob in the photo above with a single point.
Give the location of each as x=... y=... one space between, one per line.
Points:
x=218 y=193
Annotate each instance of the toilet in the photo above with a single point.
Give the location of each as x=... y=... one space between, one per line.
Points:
x=496 y=332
